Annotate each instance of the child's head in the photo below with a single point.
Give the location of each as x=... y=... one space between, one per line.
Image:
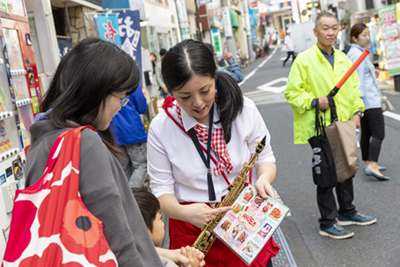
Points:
x=150 y=208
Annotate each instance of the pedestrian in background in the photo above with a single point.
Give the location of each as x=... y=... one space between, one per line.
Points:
x=344 y=44
x=312 y=76
x=236 y=71
x=131 y=137
x=282 y=34
x=289 y=47
x=265 y=43
x=89 y=87
x=274 y=37
x=204 y=98
x=153 y=58
x=372 y=123
x=162 y=88
x=153 y=94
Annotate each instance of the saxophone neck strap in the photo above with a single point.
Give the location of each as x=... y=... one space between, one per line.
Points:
x=202 y=147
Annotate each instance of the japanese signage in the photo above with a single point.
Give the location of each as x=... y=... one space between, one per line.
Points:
x=390 y=35
x=107 y=28
x=183 y=19
x=203 y=2
x=64 y=46
x=254 y=5
x=227 y=22
x=129 y=32
x=216 y=42
x=267 y=8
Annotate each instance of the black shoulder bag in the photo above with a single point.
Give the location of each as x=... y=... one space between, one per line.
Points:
x=323 y=165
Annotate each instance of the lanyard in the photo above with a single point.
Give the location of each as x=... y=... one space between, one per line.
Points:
x=211 y=191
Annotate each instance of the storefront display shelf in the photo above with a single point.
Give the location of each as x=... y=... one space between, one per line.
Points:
x=23 y=102
x=7 y=154
x=18 y=72
x=5 y=115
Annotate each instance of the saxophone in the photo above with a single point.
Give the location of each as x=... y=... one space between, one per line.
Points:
x=206 y=238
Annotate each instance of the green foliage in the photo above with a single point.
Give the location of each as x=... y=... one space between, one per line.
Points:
x=346 y=17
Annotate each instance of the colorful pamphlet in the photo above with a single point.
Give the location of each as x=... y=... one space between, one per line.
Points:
x=250 y=224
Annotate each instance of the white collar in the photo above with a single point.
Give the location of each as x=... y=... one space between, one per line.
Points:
x=189 y=122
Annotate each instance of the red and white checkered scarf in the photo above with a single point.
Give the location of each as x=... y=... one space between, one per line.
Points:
x=217 y=144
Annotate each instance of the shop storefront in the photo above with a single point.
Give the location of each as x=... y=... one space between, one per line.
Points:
x=278 y=15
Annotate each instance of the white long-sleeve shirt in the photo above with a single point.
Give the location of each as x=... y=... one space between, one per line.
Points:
x=175 y=167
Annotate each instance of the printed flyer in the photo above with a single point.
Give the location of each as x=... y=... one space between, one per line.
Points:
x=250 y=224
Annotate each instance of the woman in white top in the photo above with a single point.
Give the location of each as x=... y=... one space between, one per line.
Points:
x=178 y=174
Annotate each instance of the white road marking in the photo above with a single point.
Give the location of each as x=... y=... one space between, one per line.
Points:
x=274 y=89
x=259 y=66
x=392 y=115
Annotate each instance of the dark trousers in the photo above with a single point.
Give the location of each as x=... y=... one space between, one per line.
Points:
x=269 y=264
x=290 y=53
x=266 y=50
x=372 y=134
x=327 y=204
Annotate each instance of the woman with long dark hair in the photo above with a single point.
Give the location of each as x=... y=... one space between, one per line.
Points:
x=90 y=86
x=204 y=99
x=372 y=123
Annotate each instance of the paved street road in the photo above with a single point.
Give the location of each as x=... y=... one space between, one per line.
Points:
x=375 y=245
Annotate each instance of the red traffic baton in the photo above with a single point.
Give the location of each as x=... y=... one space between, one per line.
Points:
x=334 y=91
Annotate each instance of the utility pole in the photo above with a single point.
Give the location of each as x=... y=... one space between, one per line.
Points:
x=228 y=27
x=199 y=31
x=247 y=28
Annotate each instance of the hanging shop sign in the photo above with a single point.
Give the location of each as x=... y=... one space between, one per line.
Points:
x=390 y=35
x=107 y=28
x=183 y=19
x=216 y=42
x=64 y=46
x=277 y=7
x=203 y=2
x=129 y=32
x=227 y=22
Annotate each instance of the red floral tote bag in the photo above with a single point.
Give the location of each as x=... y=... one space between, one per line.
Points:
x=50 y=225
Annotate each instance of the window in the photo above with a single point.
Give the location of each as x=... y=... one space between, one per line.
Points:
x=369 y=4
x=164 y=2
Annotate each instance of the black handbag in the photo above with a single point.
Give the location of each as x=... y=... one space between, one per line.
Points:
x=323 y=165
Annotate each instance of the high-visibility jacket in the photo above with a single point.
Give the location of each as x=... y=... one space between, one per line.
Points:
x=311 y=76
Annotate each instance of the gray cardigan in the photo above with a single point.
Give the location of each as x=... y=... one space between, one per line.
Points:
x=105 y=191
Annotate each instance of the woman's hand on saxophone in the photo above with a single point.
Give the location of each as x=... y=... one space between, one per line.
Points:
x=199 y=214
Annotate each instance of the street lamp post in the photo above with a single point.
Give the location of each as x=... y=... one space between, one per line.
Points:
x=200 y=35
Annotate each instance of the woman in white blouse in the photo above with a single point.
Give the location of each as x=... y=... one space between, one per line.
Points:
x=178 y=173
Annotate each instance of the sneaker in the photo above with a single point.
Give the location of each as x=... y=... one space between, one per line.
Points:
x=357 y=219
x=336 y=232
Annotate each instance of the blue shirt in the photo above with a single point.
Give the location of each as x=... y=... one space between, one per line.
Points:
x=330 y=58
x=129 y=126
x=366 y=74
x=236 y=73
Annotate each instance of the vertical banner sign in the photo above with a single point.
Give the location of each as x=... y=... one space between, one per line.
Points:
x=107 y=28
x=183 y=19
x=64 y=46
x=390 y=35
x=129 y=32
x=216 y=42
x=227 y=22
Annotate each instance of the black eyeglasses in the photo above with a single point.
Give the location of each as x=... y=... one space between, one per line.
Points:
x=123 y=101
